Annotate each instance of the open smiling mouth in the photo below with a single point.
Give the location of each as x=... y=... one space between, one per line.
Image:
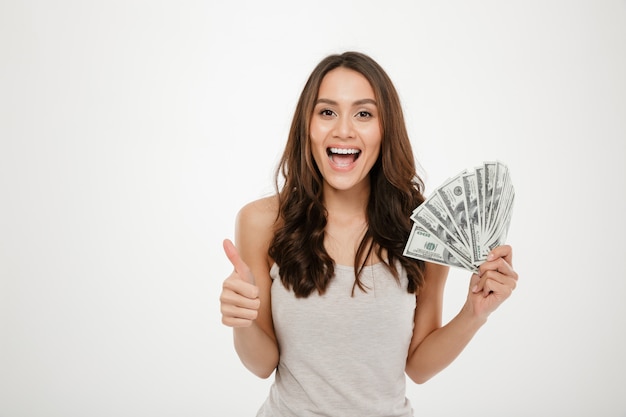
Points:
x=343 y=156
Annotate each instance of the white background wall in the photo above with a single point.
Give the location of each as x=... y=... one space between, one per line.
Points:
x=131 y=132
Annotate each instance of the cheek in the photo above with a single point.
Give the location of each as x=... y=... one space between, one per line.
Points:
x=373 y=134
x=374 y=141
x=316 y=147
x=317 y=132
x=374 y=152
x=317 y=155
x=317 y=136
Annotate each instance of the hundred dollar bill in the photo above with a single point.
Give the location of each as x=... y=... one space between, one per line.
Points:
x=480 y=188
x=500 y=214
x=451 y=194
x=428 y=221
x=489 y=178
x=423 y=245
x=435 y=205
x=499 y=187
x=470 y=192
x=498 y=237
x=505 y=195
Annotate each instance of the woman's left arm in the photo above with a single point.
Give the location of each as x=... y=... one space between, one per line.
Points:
x=434 y=347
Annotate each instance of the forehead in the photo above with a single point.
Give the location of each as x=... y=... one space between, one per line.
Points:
x=345 y=83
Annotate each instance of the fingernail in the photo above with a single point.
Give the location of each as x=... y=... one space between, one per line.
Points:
x=490 y=257
x=475 y=289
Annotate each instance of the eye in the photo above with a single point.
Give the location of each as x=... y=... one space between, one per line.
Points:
x=364 y=114
x=326 y=113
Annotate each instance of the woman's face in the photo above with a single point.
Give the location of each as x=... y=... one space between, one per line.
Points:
x=345 y=129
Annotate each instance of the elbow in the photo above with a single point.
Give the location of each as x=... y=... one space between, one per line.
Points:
x=263 y=373
x=418 y=377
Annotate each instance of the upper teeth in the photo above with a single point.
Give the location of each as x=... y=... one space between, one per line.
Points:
x=344 y=151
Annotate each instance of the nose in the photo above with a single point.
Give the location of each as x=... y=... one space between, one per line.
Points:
x=344 y=128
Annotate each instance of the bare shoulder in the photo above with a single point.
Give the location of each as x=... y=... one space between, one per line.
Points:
x=255 y=227
x=259 y=215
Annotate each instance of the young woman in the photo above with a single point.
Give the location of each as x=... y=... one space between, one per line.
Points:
x=321 y=292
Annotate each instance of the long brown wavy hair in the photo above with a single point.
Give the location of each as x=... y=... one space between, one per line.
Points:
x=395 y=190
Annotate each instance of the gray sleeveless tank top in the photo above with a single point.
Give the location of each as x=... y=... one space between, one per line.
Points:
x=341 y=355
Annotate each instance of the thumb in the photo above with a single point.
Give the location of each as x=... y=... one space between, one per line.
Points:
x=240 y=266
x=474 y=281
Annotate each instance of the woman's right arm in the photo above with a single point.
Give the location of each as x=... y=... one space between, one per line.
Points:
x=245 y=299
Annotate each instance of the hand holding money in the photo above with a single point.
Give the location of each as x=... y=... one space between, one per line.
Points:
x=492 y=284
x=464 y=219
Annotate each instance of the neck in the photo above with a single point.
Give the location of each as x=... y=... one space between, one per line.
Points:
x=348 y=203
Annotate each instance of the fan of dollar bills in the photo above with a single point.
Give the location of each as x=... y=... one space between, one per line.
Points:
x=464 y=218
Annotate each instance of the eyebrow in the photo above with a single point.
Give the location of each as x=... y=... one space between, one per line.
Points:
x=356 y=103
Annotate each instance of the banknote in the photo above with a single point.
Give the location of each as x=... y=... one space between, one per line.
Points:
x=423 y=245
x=451 y=193
x=428 y=221
x=464 y=218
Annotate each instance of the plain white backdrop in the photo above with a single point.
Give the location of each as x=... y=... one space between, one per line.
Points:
x=131 y=132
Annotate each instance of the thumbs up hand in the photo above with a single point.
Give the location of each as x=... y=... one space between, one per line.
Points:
x=239 y=301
